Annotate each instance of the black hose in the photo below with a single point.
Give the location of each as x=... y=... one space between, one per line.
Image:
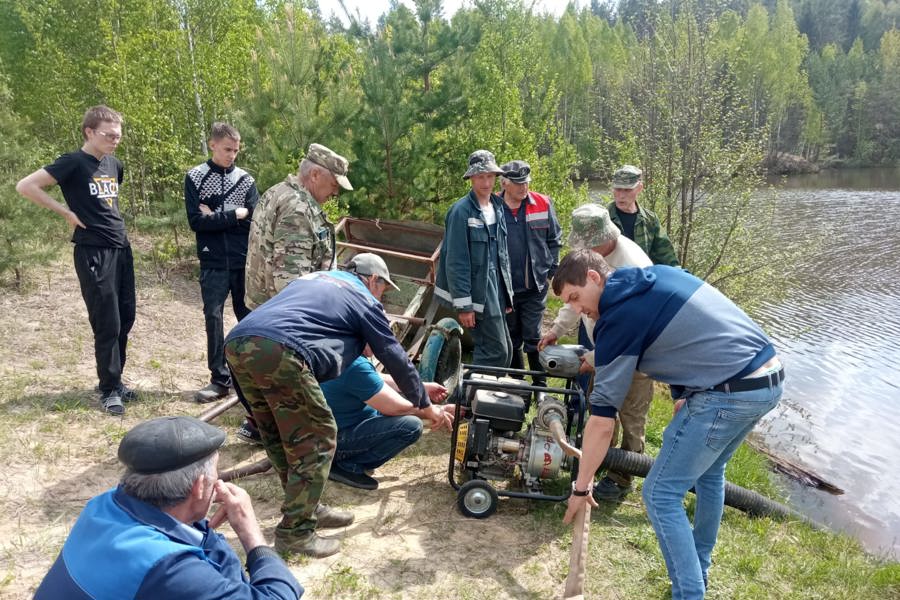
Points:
x=750 y=502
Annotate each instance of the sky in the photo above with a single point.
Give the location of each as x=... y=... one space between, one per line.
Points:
x=372 y=9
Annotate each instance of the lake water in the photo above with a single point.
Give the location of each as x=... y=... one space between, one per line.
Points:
x=838 y=333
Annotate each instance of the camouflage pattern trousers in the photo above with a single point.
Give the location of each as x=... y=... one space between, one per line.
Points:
x=297 y=428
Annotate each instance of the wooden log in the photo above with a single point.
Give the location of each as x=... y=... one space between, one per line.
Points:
x=578 y=556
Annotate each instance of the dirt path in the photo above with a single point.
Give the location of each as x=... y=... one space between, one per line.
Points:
x=408 y=541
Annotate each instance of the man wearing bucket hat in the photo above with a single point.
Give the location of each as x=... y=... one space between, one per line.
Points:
x=639 y=224
x=149 y=537
x=473 y=274
x=533 y=241
x=290 y=235
x=308 y=333
x=592 y=229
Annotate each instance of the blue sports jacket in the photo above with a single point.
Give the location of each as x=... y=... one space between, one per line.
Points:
x=327 y=318
x=674 y=327
x=462 y=274
x=121 y=548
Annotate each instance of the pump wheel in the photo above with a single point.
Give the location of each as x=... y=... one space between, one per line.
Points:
x=477 y=499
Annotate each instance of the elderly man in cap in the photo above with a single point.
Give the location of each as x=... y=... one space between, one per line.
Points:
x=533 y=241
x=592 y=229
x=308 y=333
x=639 y=224
x=473 y=275
x=149 y=537
x=290 y=235
x=722 y=369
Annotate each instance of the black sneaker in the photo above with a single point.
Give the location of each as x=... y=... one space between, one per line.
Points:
x=126 y=393
x=211 y=393
x=111 y=402
x=249 y=433
x=357 y=480
x=608 y=490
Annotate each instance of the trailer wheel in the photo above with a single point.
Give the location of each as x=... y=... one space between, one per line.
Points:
x=477 y=499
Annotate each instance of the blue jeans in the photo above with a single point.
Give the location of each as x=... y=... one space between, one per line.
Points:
x=374 y=441
x=696 y=446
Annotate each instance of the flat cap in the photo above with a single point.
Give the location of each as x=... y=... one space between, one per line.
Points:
x=168 y=443
x=482 y=161
x=331 y=160
x=627 y=178
x=517 y=171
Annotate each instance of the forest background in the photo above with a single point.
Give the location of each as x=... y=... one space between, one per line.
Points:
x=699 y=93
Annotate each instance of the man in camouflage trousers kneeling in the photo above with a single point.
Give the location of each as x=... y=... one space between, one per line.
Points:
x=308 y=333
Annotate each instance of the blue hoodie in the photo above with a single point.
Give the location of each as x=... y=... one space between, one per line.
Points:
x=672 y=326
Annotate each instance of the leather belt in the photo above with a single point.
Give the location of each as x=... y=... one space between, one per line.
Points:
x=754 y=383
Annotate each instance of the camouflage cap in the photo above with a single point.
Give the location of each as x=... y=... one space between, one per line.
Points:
x=591 y=227
x=331 y=160
x=168 y=443
x=482 y=161
x=517 y=171
x=627 y=178
x=367 y=263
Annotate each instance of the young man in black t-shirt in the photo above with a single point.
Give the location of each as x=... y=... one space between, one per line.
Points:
x=89 y=179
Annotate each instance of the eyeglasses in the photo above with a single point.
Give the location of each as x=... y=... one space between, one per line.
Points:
x=113 y=137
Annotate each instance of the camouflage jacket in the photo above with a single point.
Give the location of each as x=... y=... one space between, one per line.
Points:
x=649 y=235
x=290 y=237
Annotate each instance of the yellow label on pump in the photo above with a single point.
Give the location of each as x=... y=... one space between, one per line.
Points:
x=462 y=436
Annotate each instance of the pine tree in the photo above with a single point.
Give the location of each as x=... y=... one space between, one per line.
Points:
x=29 y=235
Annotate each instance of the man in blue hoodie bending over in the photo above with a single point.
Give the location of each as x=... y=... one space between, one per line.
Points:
x=724 y=375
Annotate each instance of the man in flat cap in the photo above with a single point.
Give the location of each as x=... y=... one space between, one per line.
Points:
x=592 y=229
x=308 y=333
x=149 y=537
x=290 y=235
x=473 y=274
x=639 y=224
x=533 y=241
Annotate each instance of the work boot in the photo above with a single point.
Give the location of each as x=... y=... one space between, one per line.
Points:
x=211 y=393
x=309 y=544
x=330 y=518
x=608 y=490
x=534 y=364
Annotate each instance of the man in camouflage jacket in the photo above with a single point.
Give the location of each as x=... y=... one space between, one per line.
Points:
x=290 y=235
x=639 y=224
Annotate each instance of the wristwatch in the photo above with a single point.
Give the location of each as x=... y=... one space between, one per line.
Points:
x=577 y=492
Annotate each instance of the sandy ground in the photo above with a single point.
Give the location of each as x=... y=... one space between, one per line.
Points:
x=59 y=450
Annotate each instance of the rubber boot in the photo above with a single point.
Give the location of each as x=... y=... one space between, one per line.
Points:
x=327 y=517
x=534 y=364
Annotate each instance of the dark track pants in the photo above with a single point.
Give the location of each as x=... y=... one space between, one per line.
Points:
x=106 y=276
x=215 y=285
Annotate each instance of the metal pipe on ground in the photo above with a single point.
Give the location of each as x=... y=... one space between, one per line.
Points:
x=219 y=408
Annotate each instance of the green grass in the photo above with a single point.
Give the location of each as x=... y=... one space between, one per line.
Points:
x=754 y=558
